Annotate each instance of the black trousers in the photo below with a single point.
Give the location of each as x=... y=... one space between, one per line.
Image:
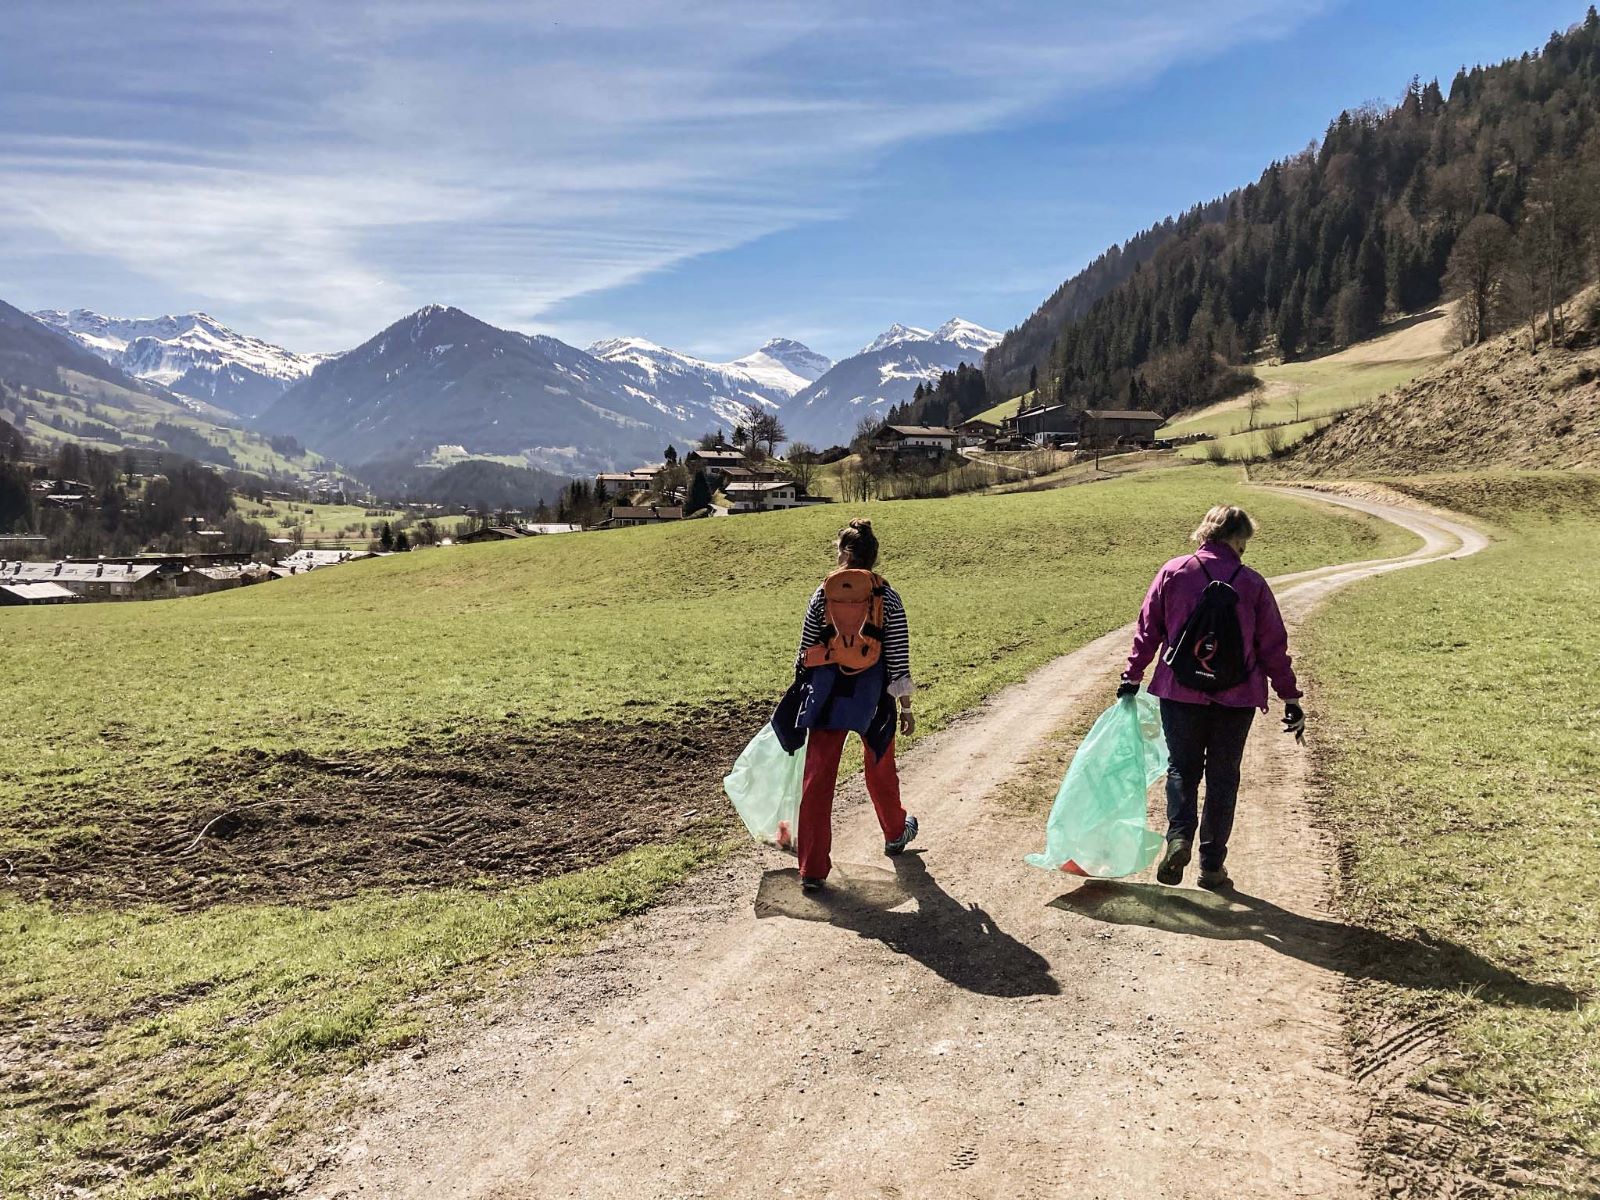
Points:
x=1204 y=741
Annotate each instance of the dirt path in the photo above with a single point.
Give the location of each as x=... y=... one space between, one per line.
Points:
x=961 y=1025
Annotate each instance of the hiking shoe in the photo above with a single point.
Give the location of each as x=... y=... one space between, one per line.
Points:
x=905 y=839
x=810 y=883
x=1170 y=872
x=1216 y=881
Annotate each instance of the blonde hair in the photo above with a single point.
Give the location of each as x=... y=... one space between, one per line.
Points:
x=859 y=542
x=1223 y=523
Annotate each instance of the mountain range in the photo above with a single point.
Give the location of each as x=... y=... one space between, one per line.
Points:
x=53 y=389
x=191 y=354
x=441 y=383
x=883 y=373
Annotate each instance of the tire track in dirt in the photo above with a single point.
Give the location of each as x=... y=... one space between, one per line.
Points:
x=959 y=1025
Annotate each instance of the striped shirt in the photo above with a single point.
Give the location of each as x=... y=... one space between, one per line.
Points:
x=896 y=638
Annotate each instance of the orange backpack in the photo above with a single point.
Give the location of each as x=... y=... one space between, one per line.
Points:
x=852 y=638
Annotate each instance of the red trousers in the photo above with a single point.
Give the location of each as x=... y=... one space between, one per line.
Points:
x=823 y=747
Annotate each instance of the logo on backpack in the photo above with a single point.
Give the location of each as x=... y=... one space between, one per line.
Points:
x=1209 y=654
x=852 y=636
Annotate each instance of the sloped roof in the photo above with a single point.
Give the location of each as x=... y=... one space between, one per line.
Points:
x=922 y=430
x=759 y=485
x=34 y=592
x=1123 y=414
x=646 y=513
x=77 y=572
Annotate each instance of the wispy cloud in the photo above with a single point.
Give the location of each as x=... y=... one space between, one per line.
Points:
x=315 y=170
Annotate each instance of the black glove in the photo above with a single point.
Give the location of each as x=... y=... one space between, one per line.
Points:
x=1127 y=688
x=1294 y=720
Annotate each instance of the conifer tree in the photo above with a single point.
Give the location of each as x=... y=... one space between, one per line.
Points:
x=700 y=496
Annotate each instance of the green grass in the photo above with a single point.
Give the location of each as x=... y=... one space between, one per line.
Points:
x=1323 y=388
x=163 y=1035
x=320 y=524
x=1251 y=446
x=137 y=414
x=376 y=653
x=1462 y=761
x=160 y=1028
x=1005 y=409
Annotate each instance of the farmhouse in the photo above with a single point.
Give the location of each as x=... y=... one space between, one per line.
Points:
x=307 y=560
x=539 y=530
x=43 y=486
x=977 y=432
x=34 y=593
x=713 y=460
x=203 y=580
x=617 y=483
x=1121 y=426
x=490 y=533
x=920 y=441
x=762 y=495
x=622 y=517
x=94 y=581
x=174 y=562
x=1047 y=423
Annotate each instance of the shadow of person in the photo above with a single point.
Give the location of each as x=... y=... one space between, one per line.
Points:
x=960 y=942
x=1422 y=964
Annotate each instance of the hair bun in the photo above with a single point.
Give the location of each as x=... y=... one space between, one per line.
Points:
x=861 y=523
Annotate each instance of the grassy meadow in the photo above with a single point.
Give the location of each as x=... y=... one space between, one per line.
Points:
x=98 y=402
x=627 y=623
x=321 y=525
x=157 y=1053
x=1460 y=767
x=1300 y=396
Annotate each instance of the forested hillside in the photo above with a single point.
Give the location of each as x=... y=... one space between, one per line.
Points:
x=1488 y=194
x=1012 y=365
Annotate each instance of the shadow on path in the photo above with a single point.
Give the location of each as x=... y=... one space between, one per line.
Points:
x=960 y=942
x=1424 y=964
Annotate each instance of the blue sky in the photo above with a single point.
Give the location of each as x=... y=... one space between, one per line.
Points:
x=703 y=173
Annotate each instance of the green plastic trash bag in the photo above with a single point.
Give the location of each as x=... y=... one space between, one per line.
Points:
x=1097 y=825
x=764 y=786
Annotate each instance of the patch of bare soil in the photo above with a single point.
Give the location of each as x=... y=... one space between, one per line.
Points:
x=1424 y=1140
x=300 y=828
x=1496 y=405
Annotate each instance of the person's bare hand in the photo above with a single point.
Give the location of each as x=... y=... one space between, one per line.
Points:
x=908 y=722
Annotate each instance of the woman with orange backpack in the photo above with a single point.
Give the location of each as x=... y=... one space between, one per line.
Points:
x=854 y=663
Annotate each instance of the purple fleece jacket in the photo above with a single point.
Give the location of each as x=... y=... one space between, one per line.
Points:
x=1173 y=596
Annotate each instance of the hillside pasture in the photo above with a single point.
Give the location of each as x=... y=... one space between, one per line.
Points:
x=1293 y=395
x=1457 y=763
x=97 y=408
x=315 y=801
x=329 y=526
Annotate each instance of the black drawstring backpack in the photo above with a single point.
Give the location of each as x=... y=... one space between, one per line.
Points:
x=1209 y=653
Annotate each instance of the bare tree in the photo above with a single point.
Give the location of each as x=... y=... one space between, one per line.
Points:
x=1475 y=274
x=802 y=465
x=867 y=426
x=1254 y=405
x=857 y=481
x=764 y=426
x=1552 y=247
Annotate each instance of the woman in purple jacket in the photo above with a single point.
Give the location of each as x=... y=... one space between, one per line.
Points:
x=1206 y=731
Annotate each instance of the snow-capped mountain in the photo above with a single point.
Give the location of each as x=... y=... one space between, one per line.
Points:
x=784 y=364
x=441 y=377
x=46 y=375
x=192 y=354
x=893 y=336
x=883 y=373
x=691 y=389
